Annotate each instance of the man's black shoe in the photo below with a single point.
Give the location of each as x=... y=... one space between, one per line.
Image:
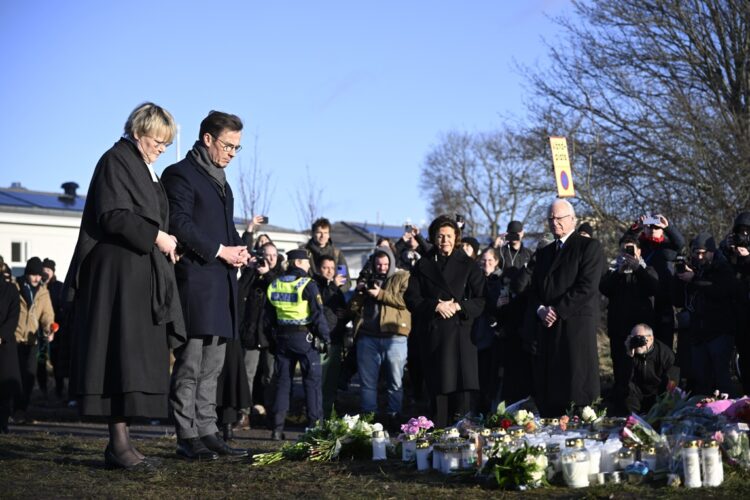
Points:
x=194 y=449
x=214 y=443
x=277 y=436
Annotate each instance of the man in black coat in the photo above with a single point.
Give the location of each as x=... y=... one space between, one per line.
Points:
x=630 y=284
x=201 y=217
x=563 y=316
x=706 y=289
x=10 y=374
x=515 y=262
x=255 y=336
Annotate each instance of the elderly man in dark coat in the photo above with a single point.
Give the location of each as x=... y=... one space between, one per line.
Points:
x=563 y=315
x=445 y=295
x=201 y=216
x=10 y=375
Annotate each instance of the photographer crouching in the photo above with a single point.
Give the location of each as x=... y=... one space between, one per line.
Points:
x=650 y=364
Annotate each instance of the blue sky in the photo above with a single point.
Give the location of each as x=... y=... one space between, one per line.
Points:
x=358 y=91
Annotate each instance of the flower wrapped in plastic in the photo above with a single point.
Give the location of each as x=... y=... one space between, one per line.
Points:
x=586 y=415
x=666 y=403
x=736 y=444
x=348 y=436
x=638 y=432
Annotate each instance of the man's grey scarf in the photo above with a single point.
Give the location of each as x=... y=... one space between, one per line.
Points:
x=199 y=154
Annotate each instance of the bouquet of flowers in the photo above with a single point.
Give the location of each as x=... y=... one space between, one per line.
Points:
x=519 y=413
x=501 y=417
x=416 y=428
x=671 y=400
x=330 y=439
x=519 y=469
x=736 y=444
x=638 y=432
x=588 y=414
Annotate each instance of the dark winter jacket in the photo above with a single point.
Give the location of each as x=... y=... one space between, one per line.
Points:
x=650 y=372
x=709 y=298
x=631 y=299
x=252 y=287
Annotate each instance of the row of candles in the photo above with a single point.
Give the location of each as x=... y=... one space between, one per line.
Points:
x=584 y=459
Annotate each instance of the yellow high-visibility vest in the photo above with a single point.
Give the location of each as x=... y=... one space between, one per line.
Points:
x=285 y=295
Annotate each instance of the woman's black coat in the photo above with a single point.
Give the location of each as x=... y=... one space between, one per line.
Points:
x=449 y=357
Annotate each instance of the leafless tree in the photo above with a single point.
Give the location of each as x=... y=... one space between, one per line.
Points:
x=256 y=187
x=484 y=177
x=654 y=98
x=308 y=201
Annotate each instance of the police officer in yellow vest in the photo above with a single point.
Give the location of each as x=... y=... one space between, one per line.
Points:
x=299 y=324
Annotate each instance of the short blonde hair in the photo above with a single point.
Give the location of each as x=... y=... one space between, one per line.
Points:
x=152 y=120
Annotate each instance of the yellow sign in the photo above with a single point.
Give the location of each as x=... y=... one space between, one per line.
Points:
x=561 y=162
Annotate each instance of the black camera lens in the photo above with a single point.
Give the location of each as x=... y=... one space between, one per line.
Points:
x=638 y=341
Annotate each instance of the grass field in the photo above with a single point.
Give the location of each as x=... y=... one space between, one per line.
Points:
x=38 y=465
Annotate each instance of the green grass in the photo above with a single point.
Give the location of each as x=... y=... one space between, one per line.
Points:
x=38 y=465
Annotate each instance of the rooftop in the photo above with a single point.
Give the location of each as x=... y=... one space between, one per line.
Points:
x=20 y=197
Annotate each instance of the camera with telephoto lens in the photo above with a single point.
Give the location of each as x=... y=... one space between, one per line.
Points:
x=376 y=279
x=637 y=341
x=260 y=260
x=679 y=265
x=365 y=274
x=741 y=239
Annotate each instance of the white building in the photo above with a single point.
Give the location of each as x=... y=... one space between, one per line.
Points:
x=45 y=225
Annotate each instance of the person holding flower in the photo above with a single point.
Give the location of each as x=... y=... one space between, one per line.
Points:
x=445 y=295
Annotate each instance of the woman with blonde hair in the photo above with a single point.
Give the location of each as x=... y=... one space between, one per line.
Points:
x=122 y=287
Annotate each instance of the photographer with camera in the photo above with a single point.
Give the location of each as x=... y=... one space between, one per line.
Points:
x=265 y=266
x=301 y=334
x=336 y=312
x=516 y=262
x=705 y=288
x=736 y=250
x=660 y=242
x=382 y=327
x=650 y=367
x=630 y=285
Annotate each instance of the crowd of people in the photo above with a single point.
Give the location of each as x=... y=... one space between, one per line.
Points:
x=160 y=269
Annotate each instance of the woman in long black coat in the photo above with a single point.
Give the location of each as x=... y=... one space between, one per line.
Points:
x=445 y=295
x=10 y=374
x=123 y=287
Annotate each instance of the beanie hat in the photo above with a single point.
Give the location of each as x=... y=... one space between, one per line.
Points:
x=472 y=242
x=34 y=266
x=49 y=263
x=586 y=228
x=742 y=219
x=515 y=226
x=703 y=241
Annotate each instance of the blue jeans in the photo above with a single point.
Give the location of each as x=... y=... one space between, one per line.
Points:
x=371 y=353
